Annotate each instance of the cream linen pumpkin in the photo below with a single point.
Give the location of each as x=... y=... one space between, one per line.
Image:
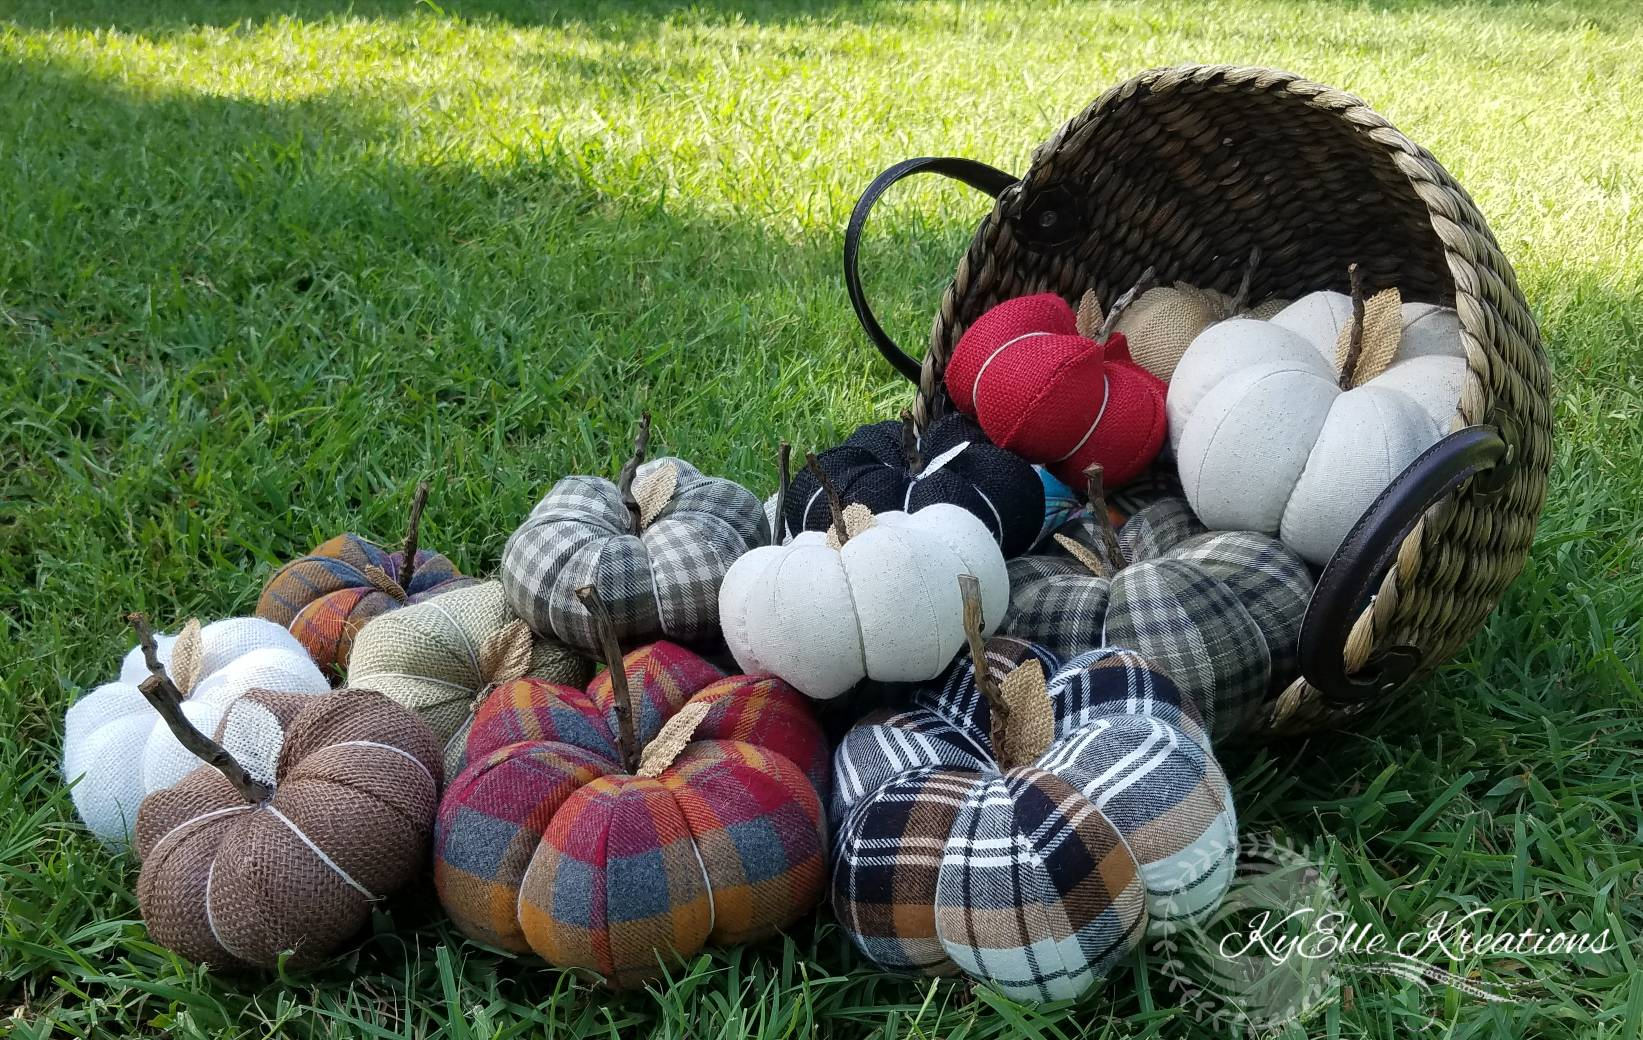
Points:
x=116 y=749
x=824 y=613
x=1270 y=436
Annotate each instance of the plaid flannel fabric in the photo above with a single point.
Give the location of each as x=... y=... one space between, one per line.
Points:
x=1039 y=878
x=325 y=598
x=543 y=843
x=1220 y=612
x=663 y=581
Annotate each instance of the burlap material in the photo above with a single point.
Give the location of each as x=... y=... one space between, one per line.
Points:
x=1382 y=334
x=857 y=518
x=187 y=657
x=235 y=885
x=654 y=491
x=252 y=729
x=430 y=656
x=1164 y=321
x=1032 y=717
x=675 y=734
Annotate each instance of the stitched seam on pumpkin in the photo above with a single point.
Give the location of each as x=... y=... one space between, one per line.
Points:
x=323 y=858
x=389 y=747
x=155 y=851
x=473 y=651
x=975 y=386
x=210 y=918
x=1106 y=395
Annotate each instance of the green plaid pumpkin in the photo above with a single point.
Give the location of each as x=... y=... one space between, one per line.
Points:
x=1220 y=612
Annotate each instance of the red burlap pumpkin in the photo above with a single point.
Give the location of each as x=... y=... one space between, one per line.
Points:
x=1055 y=396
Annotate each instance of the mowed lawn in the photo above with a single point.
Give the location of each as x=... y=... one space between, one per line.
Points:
x=261 y=272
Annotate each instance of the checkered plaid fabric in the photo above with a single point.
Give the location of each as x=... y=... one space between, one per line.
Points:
x=324 y=598
x=543 y=843
x=1220 y=612
x=1035 y=879
x=663 y=581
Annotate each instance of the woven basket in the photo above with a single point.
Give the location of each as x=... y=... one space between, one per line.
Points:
x=1187 y=170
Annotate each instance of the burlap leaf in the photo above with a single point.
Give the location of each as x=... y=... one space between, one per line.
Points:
x=1090 y=316
x=506 y=654
x=1085 y=555
x=654 y=491
x=380 y=580
x=187 y=657
x=1382 y=333
x=857 y=518
x=1032 y=717
x=665 y=747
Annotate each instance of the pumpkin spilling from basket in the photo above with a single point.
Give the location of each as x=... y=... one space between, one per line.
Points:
x=1192 y=459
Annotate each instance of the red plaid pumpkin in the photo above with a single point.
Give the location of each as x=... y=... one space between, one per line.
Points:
x=546 y=842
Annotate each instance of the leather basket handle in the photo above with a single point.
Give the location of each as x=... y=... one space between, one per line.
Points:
x=976 y=174
x=1355 y=572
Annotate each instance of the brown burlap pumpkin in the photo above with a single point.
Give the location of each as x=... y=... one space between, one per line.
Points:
x=235 y=880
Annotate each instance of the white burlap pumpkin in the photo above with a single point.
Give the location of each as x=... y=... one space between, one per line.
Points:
x=824 y=613
x=1270 y=436
x=116 y=749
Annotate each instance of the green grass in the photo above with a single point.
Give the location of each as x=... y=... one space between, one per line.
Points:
x=261 y=272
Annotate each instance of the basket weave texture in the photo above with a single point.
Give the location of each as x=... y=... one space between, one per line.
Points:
x=1187 y=170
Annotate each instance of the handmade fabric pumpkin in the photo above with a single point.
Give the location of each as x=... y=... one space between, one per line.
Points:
x=890 y=466
x=235 y=873
x=116 y=749
x=1293 y=426
x=326 y=597
x=1165 y=319
x=656 y=544
x=872 y=598
x=440 y=658
x=1221 y=612
x=558 y=837
x=1058 y=388
x=1032 y=852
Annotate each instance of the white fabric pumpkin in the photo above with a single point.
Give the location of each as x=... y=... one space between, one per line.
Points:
x=1267 y=440
x=116 y=749
x=885 y=605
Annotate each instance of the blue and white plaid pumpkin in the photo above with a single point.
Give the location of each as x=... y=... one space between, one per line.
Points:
x=1036 y=879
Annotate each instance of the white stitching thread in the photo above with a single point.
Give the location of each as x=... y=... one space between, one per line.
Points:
x=323 y=858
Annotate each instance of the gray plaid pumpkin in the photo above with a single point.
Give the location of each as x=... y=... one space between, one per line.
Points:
x=661 y=581
x=1035 y=879
x=1220 y=612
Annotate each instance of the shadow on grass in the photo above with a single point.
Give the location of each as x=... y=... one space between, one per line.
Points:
x=596 y=15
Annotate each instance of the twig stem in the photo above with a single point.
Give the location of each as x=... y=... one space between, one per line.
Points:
x=784 y=477
x=413 y=534
x=909 y=444
x=1146 y=281
x=630 y=469
x=611 y=648
x=835 y=501
x=167 y=700
x=1096 y=490
x=969 y=589
x=1354 y=343
x=1240 y=299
